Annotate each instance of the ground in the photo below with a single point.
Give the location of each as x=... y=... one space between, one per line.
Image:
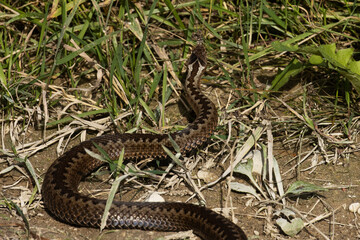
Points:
x=327 y=211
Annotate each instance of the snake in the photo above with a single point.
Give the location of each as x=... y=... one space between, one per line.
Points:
x=65 y=203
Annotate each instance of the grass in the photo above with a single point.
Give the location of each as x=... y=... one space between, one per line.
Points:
x=68 y=68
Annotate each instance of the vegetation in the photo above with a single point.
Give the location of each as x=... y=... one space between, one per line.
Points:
x=286 y=72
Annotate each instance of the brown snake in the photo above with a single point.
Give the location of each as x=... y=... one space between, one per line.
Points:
x=60 y=187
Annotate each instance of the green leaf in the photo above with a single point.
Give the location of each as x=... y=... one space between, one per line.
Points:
x=309 y=121
x=85 y=48
x=343 y=62
x=102 y=156
x=353 y=78
x=340 y=58
x=2 y=76
x=284 y=47
x=300 y=187
x=32 y=171
x=245 y=168
x=175 y=158
x=175 y=13
x=328 y=52
x=316 y=59
x=174 y=144
x=273 y=16
x=354 y=66
x=10 y=204
x=239 y=187
x=283 y=77
x=114 y=188
x=81 y=115
x=344 y=56
x=354 y=75
x=148 y=110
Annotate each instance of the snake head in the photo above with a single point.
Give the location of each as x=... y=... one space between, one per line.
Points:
x=198 y=54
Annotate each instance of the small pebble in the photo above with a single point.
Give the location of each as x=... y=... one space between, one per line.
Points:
x=155 y=197
x=354 y=207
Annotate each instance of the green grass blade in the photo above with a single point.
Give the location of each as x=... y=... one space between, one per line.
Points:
x=114 y=188
x=85 y=48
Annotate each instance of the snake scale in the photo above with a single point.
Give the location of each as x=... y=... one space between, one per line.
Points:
x=60 y=186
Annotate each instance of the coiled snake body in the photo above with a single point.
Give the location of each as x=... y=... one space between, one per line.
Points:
x=60 y=186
